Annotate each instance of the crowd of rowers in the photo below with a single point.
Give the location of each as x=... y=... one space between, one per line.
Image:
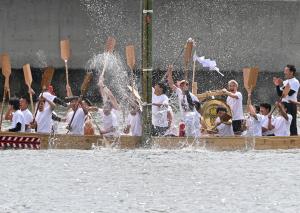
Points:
x=259 y=122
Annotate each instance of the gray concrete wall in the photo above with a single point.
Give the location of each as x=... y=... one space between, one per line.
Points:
x=234 y=33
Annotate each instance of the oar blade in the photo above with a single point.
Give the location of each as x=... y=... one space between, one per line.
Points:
x=250 y=76
x=27 y=74
x=65 y=49
x=130 y=56
x=188 y=52
x=47 y=77
x=110 y=44
x=86 y=83
x=6 y=66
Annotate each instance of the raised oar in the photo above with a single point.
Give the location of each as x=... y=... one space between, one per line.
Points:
x=187 y=57
x=250 y=78
x=47 y=77
x=130 y=56
x=83 y=90
x=28 y=81
x=109 y=48
x=65 y=55
x=45 y=83
x=285 y=93
x=194 y=84
x=6 y=71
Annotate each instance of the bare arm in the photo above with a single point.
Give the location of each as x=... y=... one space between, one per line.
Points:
x=226 y=92
x=270 y=126
x=52 y=105
x=282 y=112
x=8 y=115
x=170 y=78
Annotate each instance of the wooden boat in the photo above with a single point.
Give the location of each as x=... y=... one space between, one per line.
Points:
x=44 y=141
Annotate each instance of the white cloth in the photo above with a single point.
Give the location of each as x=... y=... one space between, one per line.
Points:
x=27 y=118
x=49 y=97
x=294 y=84
x=224 y=129
x=135 y=122
x=18 y=117
x=282 y=126
x=254 y=125
x=236 y=106
x=109 y=121
x=77 y=126
x=44 y=120
x=265 y=124
x=159 y=114
x=192 y=124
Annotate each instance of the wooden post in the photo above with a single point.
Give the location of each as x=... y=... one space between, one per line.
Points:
x=147 y=71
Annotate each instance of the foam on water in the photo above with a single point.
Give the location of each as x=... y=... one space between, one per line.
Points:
x=109 y=180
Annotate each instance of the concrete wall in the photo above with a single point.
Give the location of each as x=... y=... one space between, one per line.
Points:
x=234 y=33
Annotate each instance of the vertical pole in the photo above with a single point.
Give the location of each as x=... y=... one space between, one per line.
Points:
x=147 y=71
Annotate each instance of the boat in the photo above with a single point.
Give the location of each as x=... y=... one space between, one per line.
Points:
x=10 y=140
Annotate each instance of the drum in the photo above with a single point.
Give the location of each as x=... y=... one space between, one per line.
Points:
x=209 y=112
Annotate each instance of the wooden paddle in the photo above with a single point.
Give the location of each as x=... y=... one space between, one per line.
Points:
x=65 y=55
x=28 y=81
x=130 y=56
x=285 y=93
x=109 y=48
x=84 y=88
x=250 y=78
x=194 y=84
x=6 y=71
x=187 y=57
x=47 y=77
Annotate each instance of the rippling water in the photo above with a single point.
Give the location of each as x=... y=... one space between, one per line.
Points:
x=109 y=180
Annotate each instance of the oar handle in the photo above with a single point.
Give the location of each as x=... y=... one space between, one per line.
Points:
x=30 y=96
x=67 y=72
x=2 y=109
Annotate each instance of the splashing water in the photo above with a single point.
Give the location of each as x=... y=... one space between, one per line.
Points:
x=40 y=60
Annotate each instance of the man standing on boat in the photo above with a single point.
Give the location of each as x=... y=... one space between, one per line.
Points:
x=17 y=118
x=43 y=120
x=235 y=101
x=291 y=98
x=160 y=104
x=76 y=117
x=26 y=113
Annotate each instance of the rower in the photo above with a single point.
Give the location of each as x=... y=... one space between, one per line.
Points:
x=43 y=120
x=134 y=121
x=17 y=117
x=26 y=113
x=254 y=122
x=223 y=127
x=281 y=124
x=265 y=109
x=235 y=101
x=50 y=95
x=76 y=116
x=291 y=98
x=160 y=104
x=181 y=90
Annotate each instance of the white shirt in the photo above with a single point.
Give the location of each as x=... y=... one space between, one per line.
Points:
x=192 y=124
x=236 y=106
x=182 y=99
x=255 y=125
x=282 y=126
x=44 y=120
x=265 y=124
x=294 y=84
x=224 y=129
x=77 y=126
x=159 y=114
x=18 y=117
x=135 y=122
x=48 y=96
x=109 y=121
x=27 y=118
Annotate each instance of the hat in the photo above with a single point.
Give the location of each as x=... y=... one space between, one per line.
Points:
x=182 y=81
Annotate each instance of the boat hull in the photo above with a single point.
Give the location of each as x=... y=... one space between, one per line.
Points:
x=10 y=140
